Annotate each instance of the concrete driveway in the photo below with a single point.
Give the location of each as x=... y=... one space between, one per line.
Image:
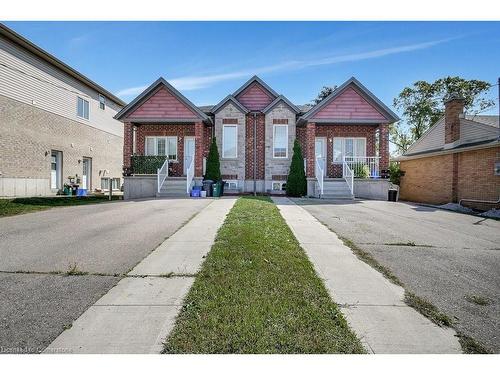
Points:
x=104 y=240
x=443 y=256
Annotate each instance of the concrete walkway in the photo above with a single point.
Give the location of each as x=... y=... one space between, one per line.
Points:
x=137 y=314
x=372 y=305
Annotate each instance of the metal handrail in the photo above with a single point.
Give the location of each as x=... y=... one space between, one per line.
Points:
x=319 y=175
x=372 y=162
x=162 y=174
x=348 y=175
x=189 y=175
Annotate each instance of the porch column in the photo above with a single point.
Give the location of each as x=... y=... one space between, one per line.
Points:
x=199 y=141
x=384 y=146
x=127 y=144
x=309 y=152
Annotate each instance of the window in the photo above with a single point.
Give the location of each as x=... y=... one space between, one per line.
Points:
x=229 y=141
x=105 y=183
x=162 y=146
x=231 y=185
x=280 y=141
x=82 y=108
x=348 y=147
x=279 y=185
x=102 y=102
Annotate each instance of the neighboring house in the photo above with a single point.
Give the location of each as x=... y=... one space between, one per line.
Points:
x=54 y=123
x=255 y=128
x=456 y=158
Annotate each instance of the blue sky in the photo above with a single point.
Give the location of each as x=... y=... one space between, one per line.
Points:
x=208 y=60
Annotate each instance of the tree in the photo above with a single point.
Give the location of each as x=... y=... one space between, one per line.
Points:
x=325 y=91
x=296 y=184
x=422 y=105
x=213 y=163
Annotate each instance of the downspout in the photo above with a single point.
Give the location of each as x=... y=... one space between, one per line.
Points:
x=254 y=153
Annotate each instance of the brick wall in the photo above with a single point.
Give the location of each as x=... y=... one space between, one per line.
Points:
x=260 y=164
x=231 y=167
x=281 y=114
x=180 y=131
x=431 y=179
x=28 y=134
x=331 y=131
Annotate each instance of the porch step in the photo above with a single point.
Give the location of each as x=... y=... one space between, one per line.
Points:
x=173 y=187
x=336 y=189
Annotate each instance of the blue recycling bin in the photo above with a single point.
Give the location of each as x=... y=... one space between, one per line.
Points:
x=196 y=191
x=81 y=192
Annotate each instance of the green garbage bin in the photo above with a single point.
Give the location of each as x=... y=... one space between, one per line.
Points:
x=216 y=189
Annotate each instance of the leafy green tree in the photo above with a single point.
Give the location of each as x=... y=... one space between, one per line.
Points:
x=296 y=184
x=422 y=105
x=325 y=91
x=213 y=163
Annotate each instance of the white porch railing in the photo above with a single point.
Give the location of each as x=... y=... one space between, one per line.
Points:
x=348 y=175
x=162 y=174
x=363 y=166
x=320 y=173
x=189 y=176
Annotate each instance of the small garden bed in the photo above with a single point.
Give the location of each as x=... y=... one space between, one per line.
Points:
x=257 y=292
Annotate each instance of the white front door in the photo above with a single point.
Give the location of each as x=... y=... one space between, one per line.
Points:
x=320 y=152
x=188 y=152
x=55 y=170
x=86 y=175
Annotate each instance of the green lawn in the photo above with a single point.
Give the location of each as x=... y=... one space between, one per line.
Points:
x=17 y=206
x=258 y=293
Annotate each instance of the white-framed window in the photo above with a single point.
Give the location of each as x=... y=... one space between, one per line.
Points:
x=82 y=108
x=229 y=141
x=231 y=185
x=278 y=185
x=280 y=141
x=343 y=146
x=102 y=102
x=161 y=146
x=115 y=183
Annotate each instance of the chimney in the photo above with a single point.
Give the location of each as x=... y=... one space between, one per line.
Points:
x=453 y=110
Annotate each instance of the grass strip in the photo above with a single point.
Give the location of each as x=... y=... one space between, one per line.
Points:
x=257 y=292
x=17 y=206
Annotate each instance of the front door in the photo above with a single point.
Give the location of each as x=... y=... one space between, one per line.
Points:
x=87 y=173
x=188 y=152
x=320 y=152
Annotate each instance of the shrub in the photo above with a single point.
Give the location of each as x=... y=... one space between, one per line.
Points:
x=395 y=173
x=361 y=170
x=296 y=184
x=213 y=163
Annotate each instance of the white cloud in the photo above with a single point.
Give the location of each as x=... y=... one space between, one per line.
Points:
x=199 y=82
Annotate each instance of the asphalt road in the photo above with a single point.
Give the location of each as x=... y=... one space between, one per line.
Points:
x=105 y=239
x=455 y=256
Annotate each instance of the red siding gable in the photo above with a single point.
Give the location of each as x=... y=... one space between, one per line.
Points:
x=349 y=105
x=255 y=97
x=163 y=104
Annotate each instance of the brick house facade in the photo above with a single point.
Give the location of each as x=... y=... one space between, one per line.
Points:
x=255 y=129
x=458 y=158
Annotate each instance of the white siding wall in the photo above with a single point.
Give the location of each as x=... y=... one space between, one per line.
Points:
x=28 y=79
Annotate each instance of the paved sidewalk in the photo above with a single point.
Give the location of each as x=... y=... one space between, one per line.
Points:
x=372 y=305
x=137 y=315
